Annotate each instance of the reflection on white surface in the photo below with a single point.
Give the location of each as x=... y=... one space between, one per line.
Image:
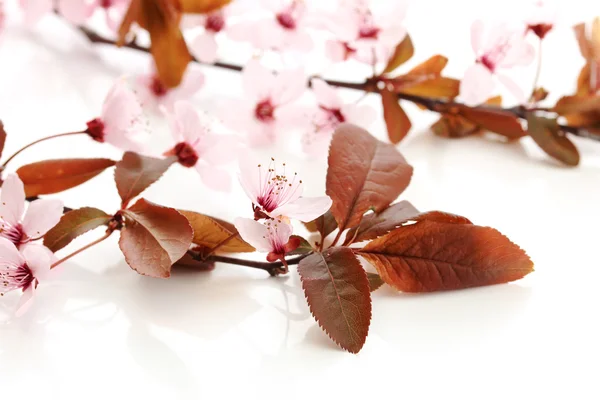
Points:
x=99 y=330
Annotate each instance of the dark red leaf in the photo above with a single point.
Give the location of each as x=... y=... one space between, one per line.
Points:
x=154 y=238
x=440 y=216
x=547 y=134
x=53 y=176
x=304 y=247
x=495 y=121
x=363 y=174
x=72 y=224
x=431 y=256
x=375 y=281
x=337 y=291
x=210 y=232
x=135 y=173
x=397 y=122
x=325 y=224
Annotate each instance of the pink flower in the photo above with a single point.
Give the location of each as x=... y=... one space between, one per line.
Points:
x=41 y=215
x=332 y=112
x=266 y=108
x=121 y=120
x=367 y=32
x=197 y=146
x=542 y=15
x=282 y=28
x=22 y=271
x=275 y=194
x=152 y=91
x=76 y=11
x=271 y=237
x=499 y=48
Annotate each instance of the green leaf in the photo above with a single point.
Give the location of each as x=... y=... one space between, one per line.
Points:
x=73 y=224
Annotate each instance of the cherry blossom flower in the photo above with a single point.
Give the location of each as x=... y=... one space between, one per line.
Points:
x=272 y=237
x=366 y=32
x=542 y=15
x=197 y=146
x=76 y=11
x=283 y=28
x=332 y=112
x=275 y=194
x=22 y=271
x=2 y=17
x=152 y=91
x=499 y=48
x=121 y=120
x=266 y=108
x=18 y=226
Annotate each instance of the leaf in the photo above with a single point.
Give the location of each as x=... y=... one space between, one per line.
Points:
x=430 y=256
x=577 y=104
x=440 y=216
x=397 y=122
x=374 y=225
x=189 y=262
x=325 y=224
x=73 y=224
x=547 y=134
x=432 y=66
x=363 y=173
x=210 y=231
x=453 y=125
x=201 y=6
x=337 y=290
x=375 y=281
x=403 y=52
x=539 y=94
x=153 y=238
x=53 y=176
x=495 y=121
x=440 y=87
x=2 y=138
x=135 y=173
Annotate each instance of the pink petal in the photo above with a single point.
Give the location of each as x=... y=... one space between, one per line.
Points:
x=280 y=233
x=520 y=52
x=26 y=301
x=389 y=13
x=261 y=134
x=292 y=117
x=257 y=80
x=289 y=86
x=187 y=122
x=9 y=254
x=326 y=95
x=251 y=175
x=204 y=48
x=477 y=29
x=214 y=178
x=12 y=196
x=223 y=150
x=255 y=233
x=361 y=115
x=39 y=247
x=37 y=260
x=335 y=50
x=297 y=40
x=114 y=15
x=192 y=82
x=42 y=215
x=122 y=113
x=477 y=85
x=391 y=36
x=76 y=11
x=304 y=209
x=35 y=10
x=512 y=87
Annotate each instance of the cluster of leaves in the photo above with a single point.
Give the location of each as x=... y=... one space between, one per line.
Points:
x=411 y=251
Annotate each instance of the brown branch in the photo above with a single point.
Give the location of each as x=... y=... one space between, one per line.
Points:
x=370 y=85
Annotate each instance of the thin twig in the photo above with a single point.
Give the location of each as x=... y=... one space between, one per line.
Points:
x=273 y=268
x=87 y=246
x=36 y=142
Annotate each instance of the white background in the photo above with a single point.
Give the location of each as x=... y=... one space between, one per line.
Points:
x=98 y=330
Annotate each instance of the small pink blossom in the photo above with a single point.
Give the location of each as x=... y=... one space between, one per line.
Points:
x=2 y=17
x=275 y=194
x=197 y=146
x=366 y=32
x=121 y=120
x=76 y=11
x=331 y=113
x=541 y=17
x=152 y=91
x=282 y=28
x=22 y=227
x=22 y=271
x=272 y=237
x=499 y=48
x=266 y=108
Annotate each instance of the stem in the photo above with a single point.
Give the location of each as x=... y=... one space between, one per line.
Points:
x=370 y=85
x=87 y=246
x=538 y=71
x=39 y=141
x=274 y=268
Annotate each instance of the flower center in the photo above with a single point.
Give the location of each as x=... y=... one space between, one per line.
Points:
x=487 y=62
x=157 y=87
x=368 y=32
x=186 y=155
x=264 y=111
x=286 y=20
x=214 y=22
x=13 y=233
x=95 y=128
x=334 y=114
x=275 y=188
x=14 y=277
x=540 y=30
x=106 y=3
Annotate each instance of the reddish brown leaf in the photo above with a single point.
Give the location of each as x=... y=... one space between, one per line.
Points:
x=539 y=94
x=201 y=6
x=403 y=52
x=431 y=256
x=495 y=121
x=374 y=225
x=135 y=173
x=440 y=87
x=432 y=66
x=337 y=291
x=397 y=122
x=53 y=176
x=375 y=281
x=547 y=134
x=189 y=262
x=325 y=224
x=363 y=173
x=2 y=138
x=210 y=232
x=304 y=247
x=440 y=216
x=453 y=125
x=153 y=238
x=577 y=104
x=73 y=224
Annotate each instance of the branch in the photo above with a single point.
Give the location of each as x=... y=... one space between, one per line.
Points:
x=370 y=85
